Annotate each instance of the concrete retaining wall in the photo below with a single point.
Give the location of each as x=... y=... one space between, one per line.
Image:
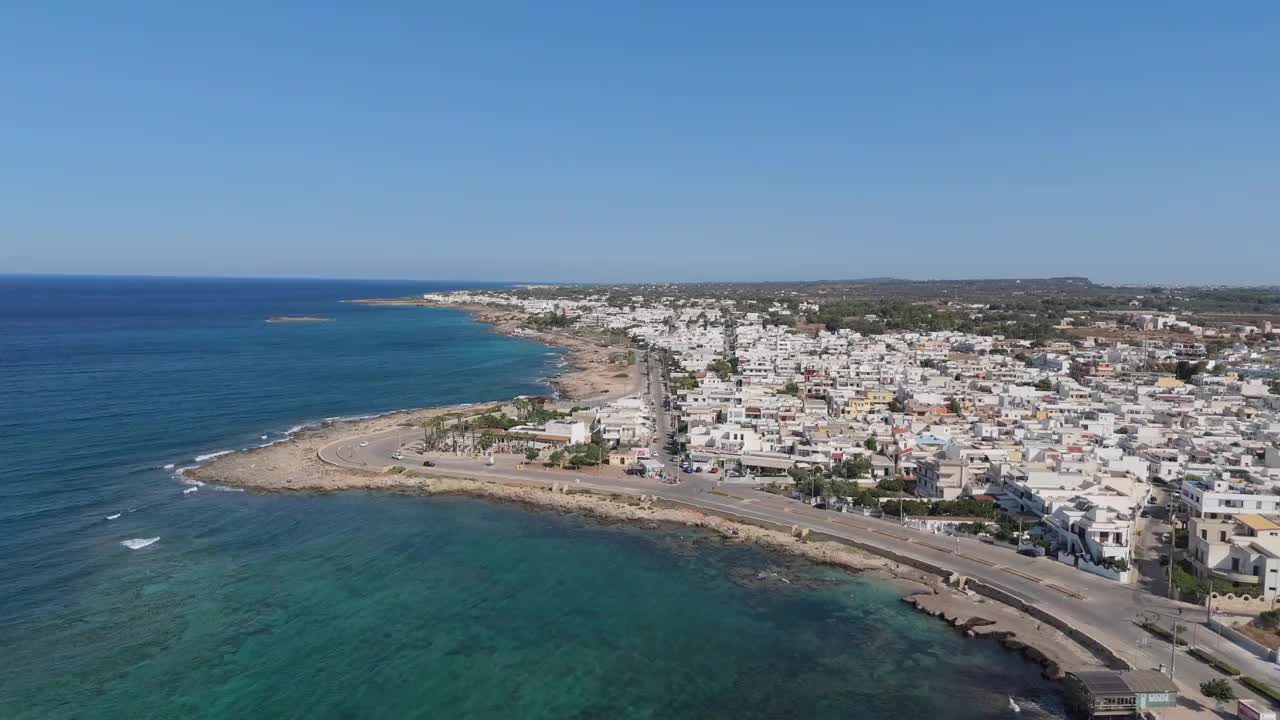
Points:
x=1101 y=651
x=1084 y=565
x=1243 y=604
x=1239 y=638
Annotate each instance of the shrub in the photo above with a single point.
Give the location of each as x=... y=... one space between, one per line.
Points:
x=1268 y=620
x=1218 y=689
x=1162 y=633
x=1261 y=688
x=1187 y=583
x=1214 y=662
x=1117 y=564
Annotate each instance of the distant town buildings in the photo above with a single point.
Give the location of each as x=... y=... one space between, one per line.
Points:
x=1069 y=434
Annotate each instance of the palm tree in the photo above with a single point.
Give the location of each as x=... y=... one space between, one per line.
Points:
x=431 y=430
x=523 y=406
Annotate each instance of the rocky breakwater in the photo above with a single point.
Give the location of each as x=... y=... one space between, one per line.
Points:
x=979 y=617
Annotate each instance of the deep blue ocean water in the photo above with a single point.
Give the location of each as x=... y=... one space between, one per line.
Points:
x=369 y=606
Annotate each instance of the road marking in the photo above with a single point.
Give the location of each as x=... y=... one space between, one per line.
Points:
x=1022 y=575
x=895 y=537
x=939 y=549
x=1065 y=591
x=978 y=560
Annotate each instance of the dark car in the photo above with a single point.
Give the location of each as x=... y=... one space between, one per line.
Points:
x=428 y=463
x=1031 y=551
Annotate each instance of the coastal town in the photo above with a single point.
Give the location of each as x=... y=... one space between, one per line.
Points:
x=1140 y=448
x=1098 y=490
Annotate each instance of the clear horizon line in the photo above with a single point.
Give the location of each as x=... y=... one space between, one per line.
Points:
x=631 y=283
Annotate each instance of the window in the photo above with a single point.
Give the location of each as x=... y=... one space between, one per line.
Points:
x=1235 y=564
x=1222 y=536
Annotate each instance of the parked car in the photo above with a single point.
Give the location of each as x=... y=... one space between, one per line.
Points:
x=1031 y=551
x=428 y=463
x=364 y=443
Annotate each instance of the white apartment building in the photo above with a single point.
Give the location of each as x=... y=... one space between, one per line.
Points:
x=1220 y=498
x=1243 y=549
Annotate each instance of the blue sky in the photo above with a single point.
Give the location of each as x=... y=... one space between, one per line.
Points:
x=600 y=141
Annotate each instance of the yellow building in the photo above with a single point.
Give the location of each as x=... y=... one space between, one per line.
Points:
x=858 y=406
x=879 y=397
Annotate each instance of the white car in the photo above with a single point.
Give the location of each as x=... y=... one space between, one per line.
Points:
x=364 y=444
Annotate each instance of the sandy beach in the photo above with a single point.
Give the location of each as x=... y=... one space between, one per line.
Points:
x=596 y=370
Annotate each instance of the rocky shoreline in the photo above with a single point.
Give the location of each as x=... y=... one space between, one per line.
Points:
x=293 y=466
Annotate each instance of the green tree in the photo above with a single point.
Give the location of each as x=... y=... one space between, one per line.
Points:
x=892 y=485
x=1044 y=385
x=807 y=481
x=487 y=439
x=857 y=466
x=791 y=388
x=896 y=406
x=1188 y=584
x=954 y=407
x=433 y=431
x=870 y=444
x=557 y=457
x=684 y=383
x=1218 y=689
x=531 y=453
x=522 y=406
x=722 y=368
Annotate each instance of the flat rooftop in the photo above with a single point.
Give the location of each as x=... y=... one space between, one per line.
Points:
x=1257 y=523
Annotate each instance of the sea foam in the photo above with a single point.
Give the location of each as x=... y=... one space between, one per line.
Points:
x=210 y=456
x=138 y=543
x=113 y=517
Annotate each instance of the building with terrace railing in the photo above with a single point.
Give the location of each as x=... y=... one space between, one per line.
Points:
x=1222 y=498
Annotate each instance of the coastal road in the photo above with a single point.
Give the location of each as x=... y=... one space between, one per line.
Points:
x=1100 y=608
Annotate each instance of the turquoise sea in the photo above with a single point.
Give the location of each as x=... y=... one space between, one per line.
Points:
x=381 y=606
